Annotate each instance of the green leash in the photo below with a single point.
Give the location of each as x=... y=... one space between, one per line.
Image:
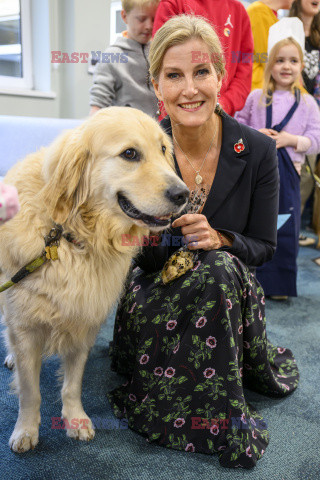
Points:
x=49 y=253
x=23 y=272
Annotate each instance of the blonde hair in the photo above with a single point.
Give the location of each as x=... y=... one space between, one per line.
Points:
x=269 y=84
x=178 y=30
x=128 y=5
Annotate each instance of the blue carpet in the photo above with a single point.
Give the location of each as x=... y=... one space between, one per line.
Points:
x=117 y=453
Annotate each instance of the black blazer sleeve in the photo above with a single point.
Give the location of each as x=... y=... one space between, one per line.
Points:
x=257 y=243
x=151 y=259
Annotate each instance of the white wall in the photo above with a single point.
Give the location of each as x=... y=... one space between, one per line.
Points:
x=74 y=26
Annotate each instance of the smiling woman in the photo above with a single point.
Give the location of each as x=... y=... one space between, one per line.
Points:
x=189 y=86
x=190 y=329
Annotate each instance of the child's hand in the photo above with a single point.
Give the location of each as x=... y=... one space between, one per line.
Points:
x=94 y=109
x=9 y=203
x=266 y=131
x=284 y=139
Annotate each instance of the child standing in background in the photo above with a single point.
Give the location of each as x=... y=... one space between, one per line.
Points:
x=263 y=14
x=309 y=13
x=123 y=78
x=283 y=112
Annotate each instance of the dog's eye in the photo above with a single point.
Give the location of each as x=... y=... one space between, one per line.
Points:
x=130 y=154
x=164 y=149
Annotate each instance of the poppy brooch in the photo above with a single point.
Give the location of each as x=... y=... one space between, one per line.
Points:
x=239 y=146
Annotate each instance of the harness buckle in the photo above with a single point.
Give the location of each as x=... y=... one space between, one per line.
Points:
x=54 y=236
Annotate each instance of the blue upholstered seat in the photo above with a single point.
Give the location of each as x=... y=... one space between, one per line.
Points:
x=22 y=135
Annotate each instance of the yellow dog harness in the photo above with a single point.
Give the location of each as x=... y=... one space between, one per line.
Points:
x=50 y=252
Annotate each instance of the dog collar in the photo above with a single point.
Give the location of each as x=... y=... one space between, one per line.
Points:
x=70 y=238
x=57 y=232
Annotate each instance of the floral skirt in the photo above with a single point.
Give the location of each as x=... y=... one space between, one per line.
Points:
x=188 y=349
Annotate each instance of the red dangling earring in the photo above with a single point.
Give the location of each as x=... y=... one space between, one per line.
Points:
x=160 y=105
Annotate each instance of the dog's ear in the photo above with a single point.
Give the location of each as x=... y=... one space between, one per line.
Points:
x=67 y=172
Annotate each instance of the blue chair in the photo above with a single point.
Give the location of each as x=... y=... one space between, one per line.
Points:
x=20 y=136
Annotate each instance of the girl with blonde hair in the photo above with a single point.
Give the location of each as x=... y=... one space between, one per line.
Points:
x=282 y=111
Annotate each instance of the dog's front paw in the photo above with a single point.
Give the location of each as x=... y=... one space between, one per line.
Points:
x=9 y=361
x=24 y=439
x=80 y=428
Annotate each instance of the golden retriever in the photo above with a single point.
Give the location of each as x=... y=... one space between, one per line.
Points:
x=111 y=176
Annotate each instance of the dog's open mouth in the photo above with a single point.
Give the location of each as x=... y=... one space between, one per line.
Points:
x=129 y=209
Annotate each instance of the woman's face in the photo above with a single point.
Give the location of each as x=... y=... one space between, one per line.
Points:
x=310 y=7
x=188 y=83
x=287 y=67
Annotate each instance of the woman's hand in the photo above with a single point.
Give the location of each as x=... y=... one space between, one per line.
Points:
x=284 y=139
x=197 y=232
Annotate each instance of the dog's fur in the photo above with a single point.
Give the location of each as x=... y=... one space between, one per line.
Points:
x=60 y=307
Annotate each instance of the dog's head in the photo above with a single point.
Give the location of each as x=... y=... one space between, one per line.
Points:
x=119 y=161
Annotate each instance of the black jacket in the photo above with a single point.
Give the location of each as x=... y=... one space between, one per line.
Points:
x=243 y=200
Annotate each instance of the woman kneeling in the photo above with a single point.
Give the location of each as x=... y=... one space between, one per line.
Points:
x=190 y=346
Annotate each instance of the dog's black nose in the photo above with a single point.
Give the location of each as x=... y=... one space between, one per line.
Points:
x=177 y=195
